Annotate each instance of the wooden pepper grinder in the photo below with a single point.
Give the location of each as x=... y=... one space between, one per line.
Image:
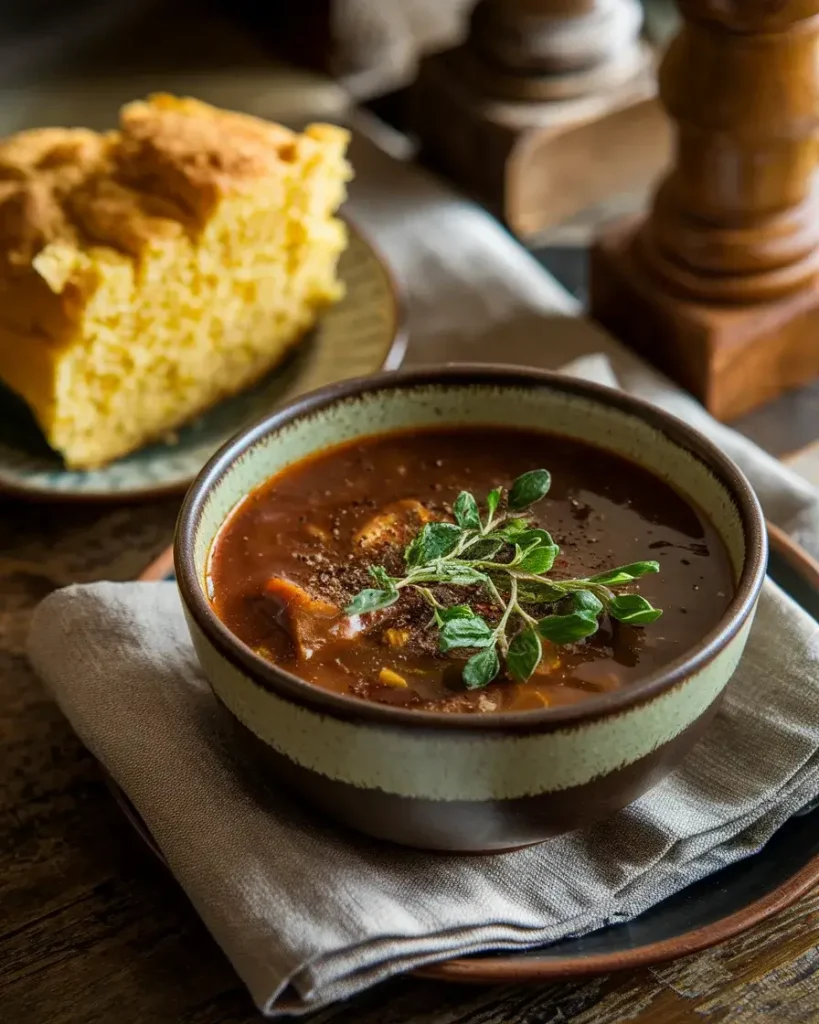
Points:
x=536 y=89
x=718 y=285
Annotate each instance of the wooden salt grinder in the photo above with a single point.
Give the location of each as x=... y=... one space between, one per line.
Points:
x=531 y=113
x=718 y=285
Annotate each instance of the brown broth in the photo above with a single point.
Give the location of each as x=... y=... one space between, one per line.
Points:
x=602 y=510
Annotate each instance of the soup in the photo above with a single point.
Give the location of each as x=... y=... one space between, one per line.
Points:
x=481 y=609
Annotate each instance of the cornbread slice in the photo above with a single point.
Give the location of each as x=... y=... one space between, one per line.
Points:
x=149 y=272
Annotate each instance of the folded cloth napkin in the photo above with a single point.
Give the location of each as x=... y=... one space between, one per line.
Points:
x=309 y=914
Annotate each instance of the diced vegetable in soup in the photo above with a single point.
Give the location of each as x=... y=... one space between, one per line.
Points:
x=447 y=570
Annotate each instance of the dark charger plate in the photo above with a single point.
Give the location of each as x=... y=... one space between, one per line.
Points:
x=716 y=908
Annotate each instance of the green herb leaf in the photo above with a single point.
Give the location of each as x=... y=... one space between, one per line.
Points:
x=524 y=654
x=454 y=611
x=471 y=632
x=540 y=537
x=625 y=573
x=484 y=550
x=493 y=500
x=633 y=609
x=567 y=629
x=529 y=488
x=539 y=559
x=434 y=541
x=466 y=511
x=412 y=552
x=511 y=530
x=481 y=669
x=585 y=601
x=371 y=601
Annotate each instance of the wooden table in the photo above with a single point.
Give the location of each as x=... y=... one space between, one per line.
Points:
x=92 y=929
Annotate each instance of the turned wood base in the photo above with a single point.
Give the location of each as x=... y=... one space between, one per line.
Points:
x=732 y=358
x=521 y=158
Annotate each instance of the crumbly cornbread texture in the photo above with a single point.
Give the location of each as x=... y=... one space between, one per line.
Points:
x=147 y=273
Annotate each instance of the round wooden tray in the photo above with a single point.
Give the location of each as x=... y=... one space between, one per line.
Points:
x=710 y=911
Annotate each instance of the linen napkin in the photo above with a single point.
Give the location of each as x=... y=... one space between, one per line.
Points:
x=309 y=914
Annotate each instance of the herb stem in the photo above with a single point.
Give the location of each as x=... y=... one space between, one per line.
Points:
x=525 y=615
x=428 y=596
x=493 y=590
x=499 y=633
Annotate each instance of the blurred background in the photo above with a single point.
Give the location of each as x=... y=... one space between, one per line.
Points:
x=77 y=62
x=372 y=47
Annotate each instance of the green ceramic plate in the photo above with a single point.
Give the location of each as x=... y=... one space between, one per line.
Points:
x=360 y=335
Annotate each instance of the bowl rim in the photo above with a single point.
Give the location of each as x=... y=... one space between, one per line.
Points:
x=299 y=691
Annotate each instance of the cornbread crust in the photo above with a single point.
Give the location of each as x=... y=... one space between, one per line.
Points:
x=147 y=272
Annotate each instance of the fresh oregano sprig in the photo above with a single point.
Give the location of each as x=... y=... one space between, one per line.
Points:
x=466 y=553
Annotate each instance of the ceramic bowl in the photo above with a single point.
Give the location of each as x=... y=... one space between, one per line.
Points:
x=465 y=782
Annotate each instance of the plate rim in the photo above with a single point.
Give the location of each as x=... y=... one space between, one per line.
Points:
x=510 y=967
x=392 y=361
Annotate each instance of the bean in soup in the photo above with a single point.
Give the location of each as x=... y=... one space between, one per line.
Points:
x=366 y=570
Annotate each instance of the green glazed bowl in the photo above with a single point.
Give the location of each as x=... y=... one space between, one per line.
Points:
x=470 y=782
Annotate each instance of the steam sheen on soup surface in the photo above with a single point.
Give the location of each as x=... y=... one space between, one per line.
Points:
x=295 y=552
